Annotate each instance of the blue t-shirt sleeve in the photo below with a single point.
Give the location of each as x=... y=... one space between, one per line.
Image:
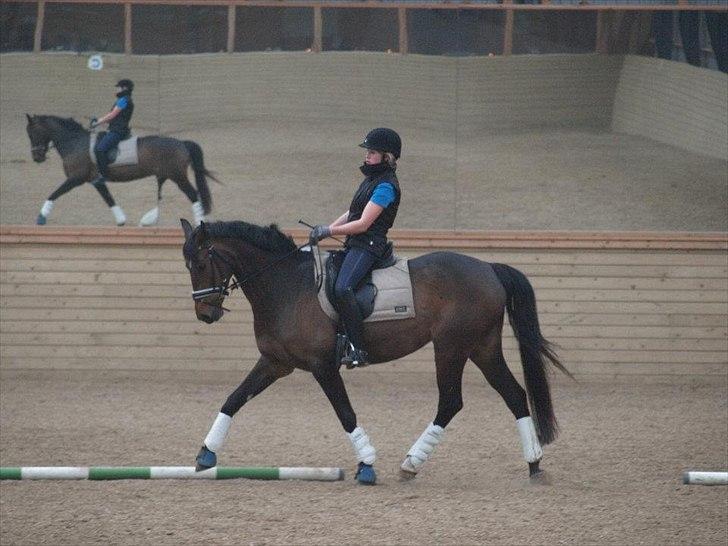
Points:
x=383 y=195
x=122 y=103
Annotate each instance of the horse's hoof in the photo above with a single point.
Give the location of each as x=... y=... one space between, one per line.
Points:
x=533 y=469
x=41 y=220
x=365 y=474
x=406 y=475
x=407 y=470
x=540 y=478
x=205 y=459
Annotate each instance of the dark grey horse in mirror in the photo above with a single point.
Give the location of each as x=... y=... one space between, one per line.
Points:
x=158 y=156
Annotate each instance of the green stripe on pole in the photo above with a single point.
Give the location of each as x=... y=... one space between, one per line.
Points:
x=10 y=473
x=119 y=473
x=261 y=473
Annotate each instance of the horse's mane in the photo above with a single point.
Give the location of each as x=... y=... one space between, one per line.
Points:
x=69 y=124
x=268 y=238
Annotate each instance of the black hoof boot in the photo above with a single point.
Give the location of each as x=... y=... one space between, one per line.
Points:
x=205 y=459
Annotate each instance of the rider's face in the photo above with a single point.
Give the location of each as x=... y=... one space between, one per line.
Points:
x=373 y=157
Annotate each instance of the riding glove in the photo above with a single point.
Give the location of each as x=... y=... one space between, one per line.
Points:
x=318 y=233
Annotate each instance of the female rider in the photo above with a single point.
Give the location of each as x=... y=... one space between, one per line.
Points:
x=118 y=119
x=366 y=223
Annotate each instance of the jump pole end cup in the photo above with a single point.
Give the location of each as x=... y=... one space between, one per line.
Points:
x=705 y=478
x=169 y=472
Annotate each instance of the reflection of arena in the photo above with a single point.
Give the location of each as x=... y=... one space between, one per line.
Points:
x=103 y=361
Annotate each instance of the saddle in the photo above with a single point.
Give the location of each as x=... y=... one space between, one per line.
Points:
x=124 y=154
x=385 y=293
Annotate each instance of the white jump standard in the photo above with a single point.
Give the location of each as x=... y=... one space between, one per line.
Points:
x=169 y=473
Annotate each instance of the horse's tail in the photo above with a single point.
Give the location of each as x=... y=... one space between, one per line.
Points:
x=201 y=174
x=535 y=349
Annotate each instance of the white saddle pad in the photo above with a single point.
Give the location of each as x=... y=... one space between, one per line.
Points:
x=127 y=151
x=394 y=299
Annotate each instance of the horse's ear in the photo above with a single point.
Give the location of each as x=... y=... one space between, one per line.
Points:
x=30 y=119
x=202 y=233
x=186 y=227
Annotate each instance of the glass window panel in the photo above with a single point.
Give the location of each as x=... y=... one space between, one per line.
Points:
x=178 y=29
x=554 y=32
x=273 y=29
x=83 y=27
x=360 y=29
x=17 y=26
x=455 y=32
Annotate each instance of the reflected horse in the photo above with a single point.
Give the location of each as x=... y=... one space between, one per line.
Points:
x=459 y=305
x=162 y=157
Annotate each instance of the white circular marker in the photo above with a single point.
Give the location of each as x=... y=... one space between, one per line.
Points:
x=96 y=62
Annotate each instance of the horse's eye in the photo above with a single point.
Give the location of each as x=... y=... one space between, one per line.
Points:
x=201 y=266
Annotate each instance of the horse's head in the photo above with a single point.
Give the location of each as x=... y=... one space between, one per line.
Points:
x=39 y=138
x=210 y=270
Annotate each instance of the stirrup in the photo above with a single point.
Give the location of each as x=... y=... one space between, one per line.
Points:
x=355 y=358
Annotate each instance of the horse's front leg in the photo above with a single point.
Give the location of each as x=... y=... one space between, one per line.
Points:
x=263 y=374
x=64 y=188
x=329 y=378
x=116 y=210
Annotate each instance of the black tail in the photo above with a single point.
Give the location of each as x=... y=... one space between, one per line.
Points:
x=535 y=350
x=198 y=165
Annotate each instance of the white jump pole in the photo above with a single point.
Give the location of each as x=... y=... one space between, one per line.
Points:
x=167 y=473
x=705 y=478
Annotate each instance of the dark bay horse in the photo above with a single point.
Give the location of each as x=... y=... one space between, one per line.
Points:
x=459 y=304
x=163 y=157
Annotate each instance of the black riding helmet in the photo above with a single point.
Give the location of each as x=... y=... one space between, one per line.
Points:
x=383 y=140
x=126 y=84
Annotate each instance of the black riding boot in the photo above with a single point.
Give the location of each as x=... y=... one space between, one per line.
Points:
x=102 y=163
x=351 y=317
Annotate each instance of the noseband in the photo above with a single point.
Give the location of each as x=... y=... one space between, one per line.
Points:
x=222 y=289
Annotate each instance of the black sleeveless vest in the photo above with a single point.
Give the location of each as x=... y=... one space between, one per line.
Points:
x=120 y=124
x=375 y=238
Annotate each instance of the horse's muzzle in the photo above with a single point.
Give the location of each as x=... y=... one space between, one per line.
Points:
x=208 y=313
x=39 y=158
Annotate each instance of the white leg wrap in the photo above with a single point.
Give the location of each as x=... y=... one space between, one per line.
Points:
x=150 y=218
x=198 y=212
x=364 y=450
x=423 y=448
x=47 y=208
x=119 y=215
x=218 y=432
x=532 y=451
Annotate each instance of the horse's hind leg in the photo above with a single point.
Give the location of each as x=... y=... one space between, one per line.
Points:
x=151 y=217
x=189 y=190
x=119 y=215
x=489 y=358
x=450 y=361
x=64 y=188
x=263 y=375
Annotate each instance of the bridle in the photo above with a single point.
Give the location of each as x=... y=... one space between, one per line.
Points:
x=222 y=289
x=225 y=288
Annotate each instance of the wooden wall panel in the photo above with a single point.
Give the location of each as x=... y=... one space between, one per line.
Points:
x=67 y=301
